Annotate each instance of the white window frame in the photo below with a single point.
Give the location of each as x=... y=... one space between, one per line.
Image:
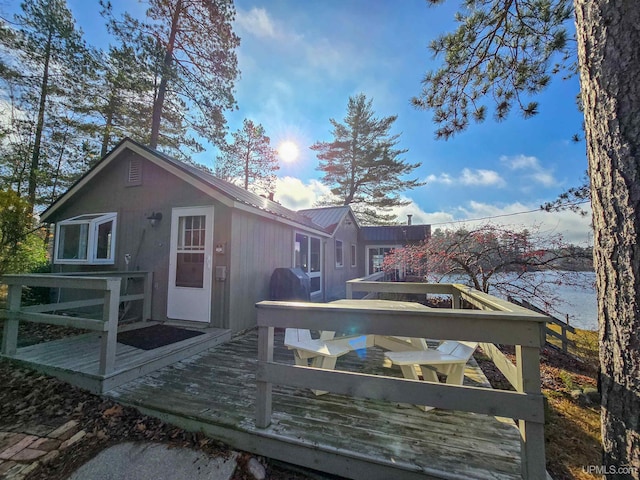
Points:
x=93 y=221
x=307 y=270
x=339 y=246
x=354 y=255
x=379 y=247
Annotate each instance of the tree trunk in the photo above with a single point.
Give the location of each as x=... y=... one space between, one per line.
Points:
x=35 y=155
x=608 y=39
x=158 y=105
x=106 y=138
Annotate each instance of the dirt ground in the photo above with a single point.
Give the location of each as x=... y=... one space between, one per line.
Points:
x=31 y=402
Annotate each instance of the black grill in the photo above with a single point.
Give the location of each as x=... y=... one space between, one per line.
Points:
x=290 y=284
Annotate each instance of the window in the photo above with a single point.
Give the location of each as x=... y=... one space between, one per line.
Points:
x=88 y=239
x=353 y=256
x=307 y=256
x=375 y=257
x=339 y=254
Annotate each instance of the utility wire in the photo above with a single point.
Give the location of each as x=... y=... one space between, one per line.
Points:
x=505 y=214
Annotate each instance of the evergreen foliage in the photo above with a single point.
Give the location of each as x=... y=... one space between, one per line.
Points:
x=362 y=165
x=188 y=49
x=249 y=161
x=44 y=68
x=500 y=54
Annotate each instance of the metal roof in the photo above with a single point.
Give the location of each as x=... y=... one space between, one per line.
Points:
x=396 y=233
x=233 y=192
x=241 y=195
x=327 y=217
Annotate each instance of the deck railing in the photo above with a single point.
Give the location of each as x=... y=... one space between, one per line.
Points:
x=494 y=322
x=565 y=328
x=107 y=284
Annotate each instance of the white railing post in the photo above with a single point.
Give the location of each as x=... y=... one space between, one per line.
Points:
x=10 y=333
x=531 y=433
x=110 y=316
x=349 y=290
x=263 y=396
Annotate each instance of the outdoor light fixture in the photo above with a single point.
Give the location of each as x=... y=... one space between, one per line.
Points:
x=154 y=218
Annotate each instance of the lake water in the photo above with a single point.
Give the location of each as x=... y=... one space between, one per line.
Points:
x=580 y=303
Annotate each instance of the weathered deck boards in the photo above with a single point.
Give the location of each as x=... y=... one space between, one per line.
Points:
x=214 y=392
x=76 y=359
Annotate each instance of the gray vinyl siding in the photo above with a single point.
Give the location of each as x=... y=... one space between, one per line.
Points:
x=336 y=277
x=149 y=247
x=258 y=246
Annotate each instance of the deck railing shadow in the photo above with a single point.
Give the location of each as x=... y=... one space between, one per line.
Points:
x=492 y=321
x=107 y=299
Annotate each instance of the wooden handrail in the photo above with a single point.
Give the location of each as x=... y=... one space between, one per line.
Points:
x=108 y=283
x=498 y=321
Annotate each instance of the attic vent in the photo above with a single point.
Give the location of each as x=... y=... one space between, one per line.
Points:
x=135 y=172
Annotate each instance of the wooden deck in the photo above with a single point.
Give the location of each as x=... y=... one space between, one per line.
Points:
x=214 y=392
x=76 y=359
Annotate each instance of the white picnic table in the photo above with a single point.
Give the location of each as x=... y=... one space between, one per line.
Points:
x=393 y=343
x=323 y=352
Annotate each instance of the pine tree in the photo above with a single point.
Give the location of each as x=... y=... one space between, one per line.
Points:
x=362 y=165
x=249 y=160
x=123 y=97
x=45 y=66
x=189 y=47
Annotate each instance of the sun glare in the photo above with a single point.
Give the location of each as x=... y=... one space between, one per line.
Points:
x=288 y=151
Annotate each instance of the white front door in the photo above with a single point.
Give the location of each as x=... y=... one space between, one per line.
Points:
x=190 y=264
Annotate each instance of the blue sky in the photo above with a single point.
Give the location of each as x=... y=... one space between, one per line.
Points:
x=300 y=62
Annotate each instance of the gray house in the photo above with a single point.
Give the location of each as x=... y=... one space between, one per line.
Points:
x=212 y=246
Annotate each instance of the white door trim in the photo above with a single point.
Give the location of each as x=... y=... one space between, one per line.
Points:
x=191 y=302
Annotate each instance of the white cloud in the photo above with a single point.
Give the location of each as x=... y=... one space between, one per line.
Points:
x=296 y=195
x=485 y=178
x=443 y=178
x=573 y=227
x=520 y=162
x=258 y=23
x=532 y=167
x=469 y=177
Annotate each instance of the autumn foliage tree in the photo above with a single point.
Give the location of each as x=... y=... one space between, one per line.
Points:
x=496 y=260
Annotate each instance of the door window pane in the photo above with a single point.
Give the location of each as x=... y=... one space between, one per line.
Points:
x=190 y=270
x=191 y=233
x=189 y=262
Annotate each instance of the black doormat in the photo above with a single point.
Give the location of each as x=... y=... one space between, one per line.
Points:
x=155 y=336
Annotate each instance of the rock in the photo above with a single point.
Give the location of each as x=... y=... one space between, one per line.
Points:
x=592 y=395
x=255 y=468
x=579 y=397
